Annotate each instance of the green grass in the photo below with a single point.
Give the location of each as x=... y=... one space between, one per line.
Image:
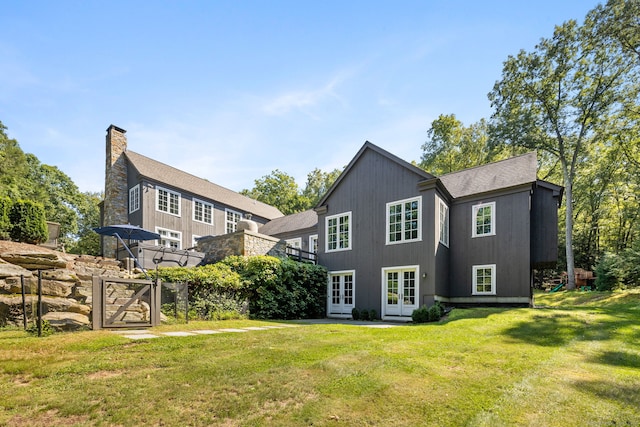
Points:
x=574 y=361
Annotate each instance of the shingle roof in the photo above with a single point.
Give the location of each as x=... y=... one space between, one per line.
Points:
x=494 y=176
x=162 y=173
x=297 y=221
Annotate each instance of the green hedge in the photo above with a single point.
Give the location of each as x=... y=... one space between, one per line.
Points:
x=281 y=288
x=5 y=223
x=273 y=288
x=28 y=222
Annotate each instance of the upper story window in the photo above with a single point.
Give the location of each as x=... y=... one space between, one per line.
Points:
x=294 y=246
x=484 y=220
x=168 y=201
x=170 y=238
x=202 y=211
x=403 y=220
x=444 y=222
x=231 y=220
x=484 y=279
x=338 y=232
x=134 y=198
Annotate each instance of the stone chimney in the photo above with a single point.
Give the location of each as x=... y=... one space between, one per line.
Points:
x=116 y=191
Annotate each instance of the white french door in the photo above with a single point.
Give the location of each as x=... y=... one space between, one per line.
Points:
x=400 y=290
x=341 y=292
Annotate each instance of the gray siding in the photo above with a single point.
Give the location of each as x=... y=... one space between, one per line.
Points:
x=149 y=218
x=372 y=182
x=509 y=249
x=544 y=228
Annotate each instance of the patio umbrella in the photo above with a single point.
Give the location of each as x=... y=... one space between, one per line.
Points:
x=129 y=232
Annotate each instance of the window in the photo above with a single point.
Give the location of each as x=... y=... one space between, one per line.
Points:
x=202 y=211
x=231 y=220
x=444 y=222
x=341 y=292
x=403 y=220
x=484 y=218
x=484 y=279
x=168 y=201
x=338 y=232
x=134 y=198
x=313 y=246
x=294 y=246
x=169 y=238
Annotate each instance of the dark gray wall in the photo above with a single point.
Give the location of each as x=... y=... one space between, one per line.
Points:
x=544 y=228
x=149 y=218
x=373 y=181
x=509 y=249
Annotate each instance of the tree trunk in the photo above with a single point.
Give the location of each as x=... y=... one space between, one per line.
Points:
x=568 y=191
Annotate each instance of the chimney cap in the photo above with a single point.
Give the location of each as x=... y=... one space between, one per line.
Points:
x=114 y=127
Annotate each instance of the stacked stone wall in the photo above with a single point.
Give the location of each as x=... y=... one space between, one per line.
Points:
x=66 y=284
x=244 y=242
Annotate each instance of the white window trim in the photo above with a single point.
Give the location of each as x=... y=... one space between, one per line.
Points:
x=134 y=198
x=177 y=239
x=349 y=236
x=293 y=249
x=194 y=241
x=474 y=213
x=204 y=204
x=384 y=294
x=330 y=274
x=474 y=278
x=441 y=239
x=158 y=189
x=226 y=221
x=403 y=240
x=313 y=254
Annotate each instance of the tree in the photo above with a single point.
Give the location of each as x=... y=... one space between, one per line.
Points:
x=619 y=22
x=318 y=182
x=87 y=242
x=561 y=98
x=452 y=146
x=280 y=190
x=13 y=167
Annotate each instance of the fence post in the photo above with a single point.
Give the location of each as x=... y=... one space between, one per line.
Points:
x=39 y=303
x=24 y=303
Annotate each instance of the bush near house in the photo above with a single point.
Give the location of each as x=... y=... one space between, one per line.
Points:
x=281 y=288
x=28 y=222
x=5 y=223
x=428 y=314
x=273 y=288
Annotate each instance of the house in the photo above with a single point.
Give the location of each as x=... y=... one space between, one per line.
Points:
x=299 y=231
x=395 y=237
x=177 y=205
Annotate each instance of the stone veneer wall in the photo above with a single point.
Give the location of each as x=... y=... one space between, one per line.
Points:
x=116 y=192
x=244 y=242
x=67 y=284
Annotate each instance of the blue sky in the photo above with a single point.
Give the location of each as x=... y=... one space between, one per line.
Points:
x=231 y=90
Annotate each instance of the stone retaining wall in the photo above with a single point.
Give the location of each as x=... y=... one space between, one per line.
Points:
x=66 y=284
x=244 y=242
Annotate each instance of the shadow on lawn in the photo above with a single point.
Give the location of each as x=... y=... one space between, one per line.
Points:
x=618 y=358
x=557 y=327
x=611 y=390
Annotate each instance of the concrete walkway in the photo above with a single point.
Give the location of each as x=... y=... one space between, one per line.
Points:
x=141 y=334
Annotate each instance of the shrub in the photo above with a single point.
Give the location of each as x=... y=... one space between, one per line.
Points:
x=281 y=288
x=606 y=279
x=5 y=223
x=215 y=290
x=428 y=314
x=435 y=312
x=46 y=328
x=355 y=313
x=420 y=315
x=364 y=315
x=28 y=222
x=373 y=315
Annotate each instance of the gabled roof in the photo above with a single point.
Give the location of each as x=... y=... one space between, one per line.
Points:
x=507 y=173
x=369 y=146
x=293 y=222
x=170 y=176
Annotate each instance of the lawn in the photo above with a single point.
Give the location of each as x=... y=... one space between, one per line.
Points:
x=575 y=360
